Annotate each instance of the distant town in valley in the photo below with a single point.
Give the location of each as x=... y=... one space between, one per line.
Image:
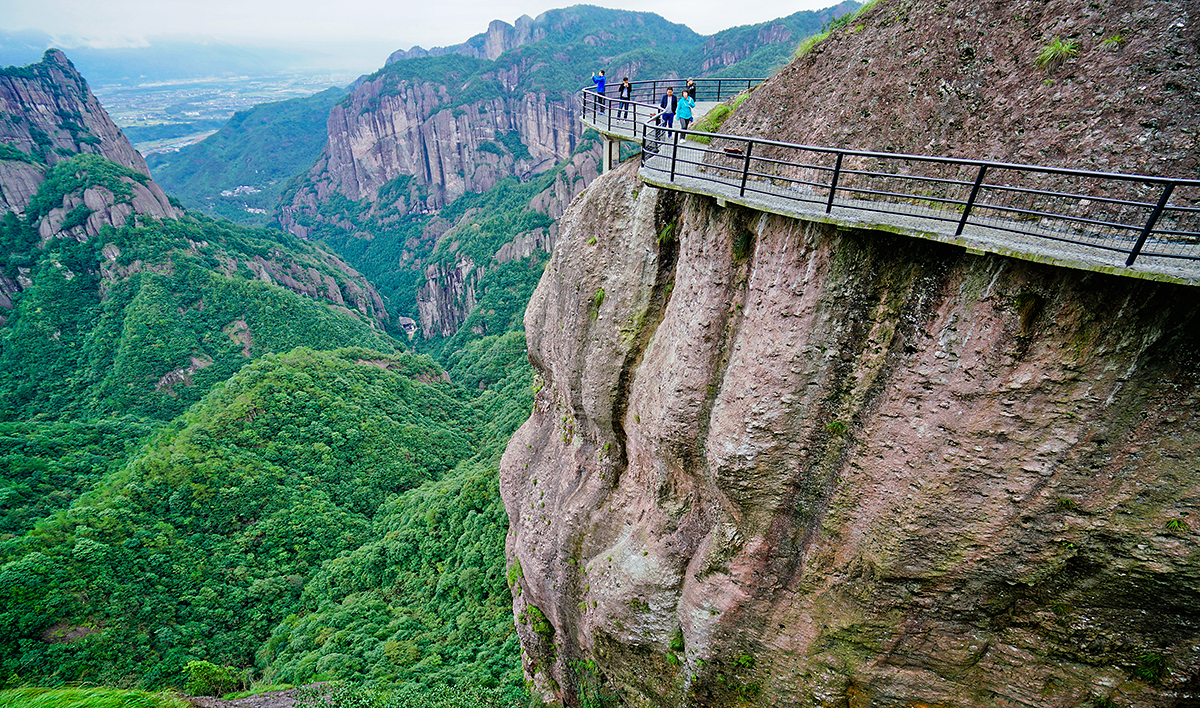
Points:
x=164 y=116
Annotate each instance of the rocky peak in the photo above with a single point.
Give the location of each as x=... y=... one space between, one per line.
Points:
x=54 y=127
x=499 y=38
x=50 y=114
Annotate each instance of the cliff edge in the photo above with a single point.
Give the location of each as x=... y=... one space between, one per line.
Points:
x=775 y=463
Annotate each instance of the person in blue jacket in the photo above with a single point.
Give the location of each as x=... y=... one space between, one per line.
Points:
x=599 y=81
x=686 y=104
x=668 y=104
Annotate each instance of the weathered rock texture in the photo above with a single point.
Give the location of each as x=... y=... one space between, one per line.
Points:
x=960 y=78
x=377 y=136
x=50 y=114
x=107 y=209
x=775 y=463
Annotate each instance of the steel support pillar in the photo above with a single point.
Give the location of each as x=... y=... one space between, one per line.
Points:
x=611 y=148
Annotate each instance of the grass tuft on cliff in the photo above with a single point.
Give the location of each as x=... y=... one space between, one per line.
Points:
x=87 y=698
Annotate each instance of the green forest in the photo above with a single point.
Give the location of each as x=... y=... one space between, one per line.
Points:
x=200 y=466
x=262 y=147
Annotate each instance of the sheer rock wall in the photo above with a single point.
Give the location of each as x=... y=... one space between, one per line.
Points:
x=775 y=463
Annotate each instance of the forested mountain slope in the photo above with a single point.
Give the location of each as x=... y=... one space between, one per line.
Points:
x=239 y=172
x=143 y=319
x=195 y=417
x=212 y=448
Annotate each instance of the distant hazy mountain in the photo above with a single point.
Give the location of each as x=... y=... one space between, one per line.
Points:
x=173 y=60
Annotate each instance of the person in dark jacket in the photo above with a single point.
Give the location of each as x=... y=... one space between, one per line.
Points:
x=668 y=104
x=625 y=93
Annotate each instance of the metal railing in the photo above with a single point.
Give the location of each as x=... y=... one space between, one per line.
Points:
x=614 y=115
x=1021 y=207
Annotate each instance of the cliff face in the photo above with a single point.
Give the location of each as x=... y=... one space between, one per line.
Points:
x=50 y=114
x=449 y=294
x=775 y=463
x=376 y=137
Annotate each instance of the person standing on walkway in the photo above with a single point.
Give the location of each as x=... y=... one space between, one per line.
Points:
x=599 y=81
x=690 y=87
x=686 y=104
x=668 y=105
x=625 y=93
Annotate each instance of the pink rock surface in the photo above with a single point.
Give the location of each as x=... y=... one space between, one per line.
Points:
x=775 y=463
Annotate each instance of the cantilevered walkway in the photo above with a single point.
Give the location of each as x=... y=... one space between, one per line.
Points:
x=1131 y=225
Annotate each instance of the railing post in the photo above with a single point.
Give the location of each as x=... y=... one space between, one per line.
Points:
x=609 y=111
x=674 y=152
x=971 y=200
x=1158 y=210
x=837 y=171
x=719 y=89
x=746 y=167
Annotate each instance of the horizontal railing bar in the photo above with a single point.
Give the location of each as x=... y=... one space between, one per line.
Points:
x=1050 y=236
x=806 y=183
x=900 y=195
x=915 y=197
x=1064 y=217
x=797 y=198
x=919 y=178
x=1065 y=195
x=1173 y=232
x=950 y=160
x=857 y=207
x=930 y=158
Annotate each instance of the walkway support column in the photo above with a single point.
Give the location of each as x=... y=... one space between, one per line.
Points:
x=611 y=148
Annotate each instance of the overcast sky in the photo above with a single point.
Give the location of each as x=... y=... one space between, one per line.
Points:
x=398 y=24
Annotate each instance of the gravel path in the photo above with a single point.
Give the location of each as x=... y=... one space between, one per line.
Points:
x=271 y=699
